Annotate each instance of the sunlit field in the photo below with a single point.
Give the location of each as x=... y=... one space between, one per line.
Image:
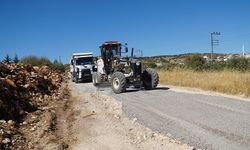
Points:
x=229 y=82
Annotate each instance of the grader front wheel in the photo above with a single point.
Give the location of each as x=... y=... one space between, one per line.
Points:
x=118 y=82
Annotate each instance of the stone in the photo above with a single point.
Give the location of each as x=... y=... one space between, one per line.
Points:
x=3 y=121
x=24 y=123
x=63 y=146
x=117 y=117
x=134 y=120
x=11 y=83
x=33 y=128
x=10 y=122
x=8 y=132
x=26 y=85
x=6 y=141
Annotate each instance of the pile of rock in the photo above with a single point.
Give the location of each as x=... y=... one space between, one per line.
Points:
x=24 y=89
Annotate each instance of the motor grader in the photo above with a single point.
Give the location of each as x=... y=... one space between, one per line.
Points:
x=122 y=71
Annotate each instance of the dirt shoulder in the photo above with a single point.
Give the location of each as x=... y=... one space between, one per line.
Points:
x=96 y=121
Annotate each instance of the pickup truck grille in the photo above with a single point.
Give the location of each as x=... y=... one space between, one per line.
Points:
x=86 y=72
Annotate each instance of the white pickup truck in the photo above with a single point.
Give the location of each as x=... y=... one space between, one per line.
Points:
x=81 y=67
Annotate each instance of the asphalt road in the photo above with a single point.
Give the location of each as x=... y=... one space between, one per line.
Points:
x=202 y=121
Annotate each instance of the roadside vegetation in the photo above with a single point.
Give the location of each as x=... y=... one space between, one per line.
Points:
x=36 y=61
x=226 y=81
x=230 y=77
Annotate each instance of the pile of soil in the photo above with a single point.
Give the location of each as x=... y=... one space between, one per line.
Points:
x=26 y=94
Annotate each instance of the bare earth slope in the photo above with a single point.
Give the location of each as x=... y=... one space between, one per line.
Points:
x=200 y=120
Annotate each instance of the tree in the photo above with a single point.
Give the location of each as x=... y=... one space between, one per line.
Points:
x=16 y=59
x=7 y=59
x=55 y=61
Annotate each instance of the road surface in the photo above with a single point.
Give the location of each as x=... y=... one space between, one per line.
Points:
x=200 y=120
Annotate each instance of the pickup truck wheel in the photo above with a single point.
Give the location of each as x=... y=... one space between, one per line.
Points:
x=118 y=82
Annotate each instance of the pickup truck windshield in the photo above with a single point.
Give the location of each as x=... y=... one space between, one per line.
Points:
x=84 y=61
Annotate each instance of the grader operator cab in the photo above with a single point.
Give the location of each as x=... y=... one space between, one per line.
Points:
x=122 y=72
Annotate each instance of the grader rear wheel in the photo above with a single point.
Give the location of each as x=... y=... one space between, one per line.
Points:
x=150 y=79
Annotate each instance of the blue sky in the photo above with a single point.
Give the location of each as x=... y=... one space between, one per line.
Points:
x=56 y=28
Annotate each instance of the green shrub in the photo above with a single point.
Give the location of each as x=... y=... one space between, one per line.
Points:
x=67 y=67
x=195 y=62
x=152 y=65
x=214 y=66
x=167 y=66
x=239 y=64
x=35 y=61
x=43 y=61
x=58 y=66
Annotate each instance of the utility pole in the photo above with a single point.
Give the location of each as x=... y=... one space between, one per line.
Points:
x=214 y=42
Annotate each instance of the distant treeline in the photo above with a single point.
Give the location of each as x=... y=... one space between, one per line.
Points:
x=196 y=62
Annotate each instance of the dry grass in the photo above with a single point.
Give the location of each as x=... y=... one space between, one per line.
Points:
x=236 y=83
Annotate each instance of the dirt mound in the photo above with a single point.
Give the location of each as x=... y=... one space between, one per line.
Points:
x=24 y=89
